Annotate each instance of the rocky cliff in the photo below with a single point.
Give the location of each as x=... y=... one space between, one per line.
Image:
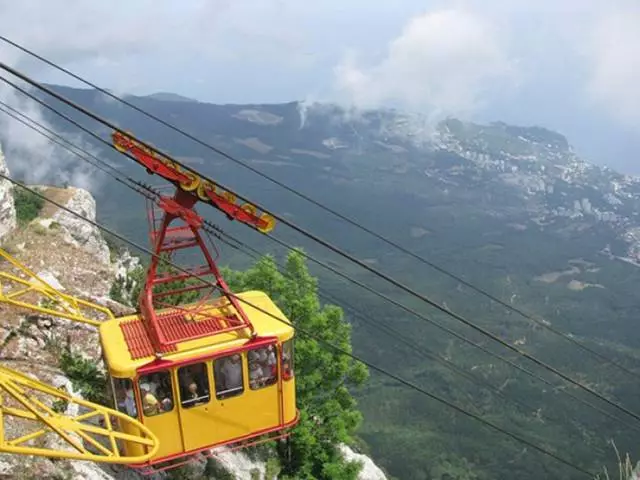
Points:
x=75 y=260
x=7 y=207
x=73 y=256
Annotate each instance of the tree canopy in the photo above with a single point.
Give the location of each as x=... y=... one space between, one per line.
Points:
x=328 y=412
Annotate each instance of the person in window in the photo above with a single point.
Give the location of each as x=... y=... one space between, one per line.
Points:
x=150 y=404
x=156 y=383
x=271 y=361
x=255 y=375
x=130 y=403
x=167 y=404
x=286 y=369
x=186 y=377
x=193 y=391
x=165 y=399
x=232 y=371
x=262 y=355
x=193 y=396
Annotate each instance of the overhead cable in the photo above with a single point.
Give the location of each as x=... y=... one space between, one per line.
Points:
x=508 y=306
x=326 y=343
x=320 y=241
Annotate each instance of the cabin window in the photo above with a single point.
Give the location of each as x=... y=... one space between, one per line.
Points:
x=229 y=376
x=156 y=393
x=124 y=398
x=287 y=359
x=262 y=367
x=194 y=385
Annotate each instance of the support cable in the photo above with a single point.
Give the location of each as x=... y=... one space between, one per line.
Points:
x=345 y=218
x=315 y=238
x=327 y=344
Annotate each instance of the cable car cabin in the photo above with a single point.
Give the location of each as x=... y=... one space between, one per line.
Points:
x=208 y=391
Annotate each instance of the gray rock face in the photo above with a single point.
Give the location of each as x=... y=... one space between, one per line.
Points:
x=81 y=233
x=7 y=205
x=370 y=471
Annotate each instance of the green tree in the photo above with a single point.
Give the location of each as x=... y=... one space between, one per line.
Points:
x=85 y=375
x=328 y=412
x=28 y=205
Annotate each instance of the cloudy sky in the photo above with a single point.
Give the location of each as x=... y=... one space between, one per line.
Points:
x=570 y=65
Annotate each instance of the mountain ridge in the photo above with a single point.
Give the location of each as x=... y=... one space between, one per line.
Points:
x=511 y=209
x=168 y=97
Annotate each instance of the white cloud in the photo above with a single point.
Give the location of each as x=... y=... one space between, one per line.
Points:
x=435 y=57
x=153 y=36
x=76 y=29
x=33 y=157
x=87 y=33
x=613 y=56
x=443 y=63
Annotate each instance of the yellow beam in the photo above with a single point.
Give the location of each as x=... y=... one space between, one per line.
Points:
x=72 y=429
x=14 y=289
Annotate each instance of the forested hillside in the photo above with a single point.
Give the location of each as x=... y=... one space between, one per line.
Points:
x=509 y=209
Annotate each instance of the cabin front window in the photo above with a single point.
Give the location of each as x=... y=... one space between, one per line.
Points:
x=229 y=376
x=194 y=385
x=262 y=367
x=123 y=396
x=287 y=359
x=156 y=393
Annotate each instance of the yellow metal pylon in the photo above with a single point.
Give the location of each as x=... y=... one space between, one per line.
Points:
x=92 y=434
x=29 y=292
x=29 y=420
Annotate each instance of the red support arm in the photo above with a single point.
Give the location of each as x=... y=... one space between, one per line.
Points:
x=192 y=183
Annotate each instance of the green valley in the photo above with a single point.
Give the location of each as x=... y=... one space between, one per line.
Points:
x=509 y=209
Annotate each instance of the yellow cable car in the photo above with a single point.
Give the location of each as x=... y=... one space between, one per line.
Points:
x=208 y=373
x=208 y=391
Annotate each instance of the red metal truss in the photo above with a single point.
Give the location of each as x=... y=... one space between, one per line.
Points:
x=177 y=228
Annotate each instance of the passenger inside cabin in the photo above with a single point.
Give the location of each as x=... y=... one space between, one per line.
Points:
x=193 y=397
x=150 y=404
x=124 y=397
x=271 y=360
x=156 y=393
x=167 y=404
x=185 y=376
x=232 y=371
x=256 y=379
x=194 y=385
x=287 y=360
x=262 y=367
x=130 y=403
x=160 y=384
x=193 y=391
x=228 y=375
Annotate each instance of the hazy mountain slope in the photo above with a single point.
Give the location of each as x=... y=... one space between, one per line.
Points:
x=512 y=209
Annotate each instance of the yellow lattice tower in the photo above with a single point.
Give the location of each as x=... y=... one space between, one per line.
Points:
x=30 y=420
x=30 y=292
x=93 y=433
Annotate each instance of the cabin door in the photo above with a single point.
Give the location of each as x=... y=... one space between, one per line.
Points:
x=246 y=398
x=159 y=413
x=263 y=401
x=230 y=407
x=194 y=402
